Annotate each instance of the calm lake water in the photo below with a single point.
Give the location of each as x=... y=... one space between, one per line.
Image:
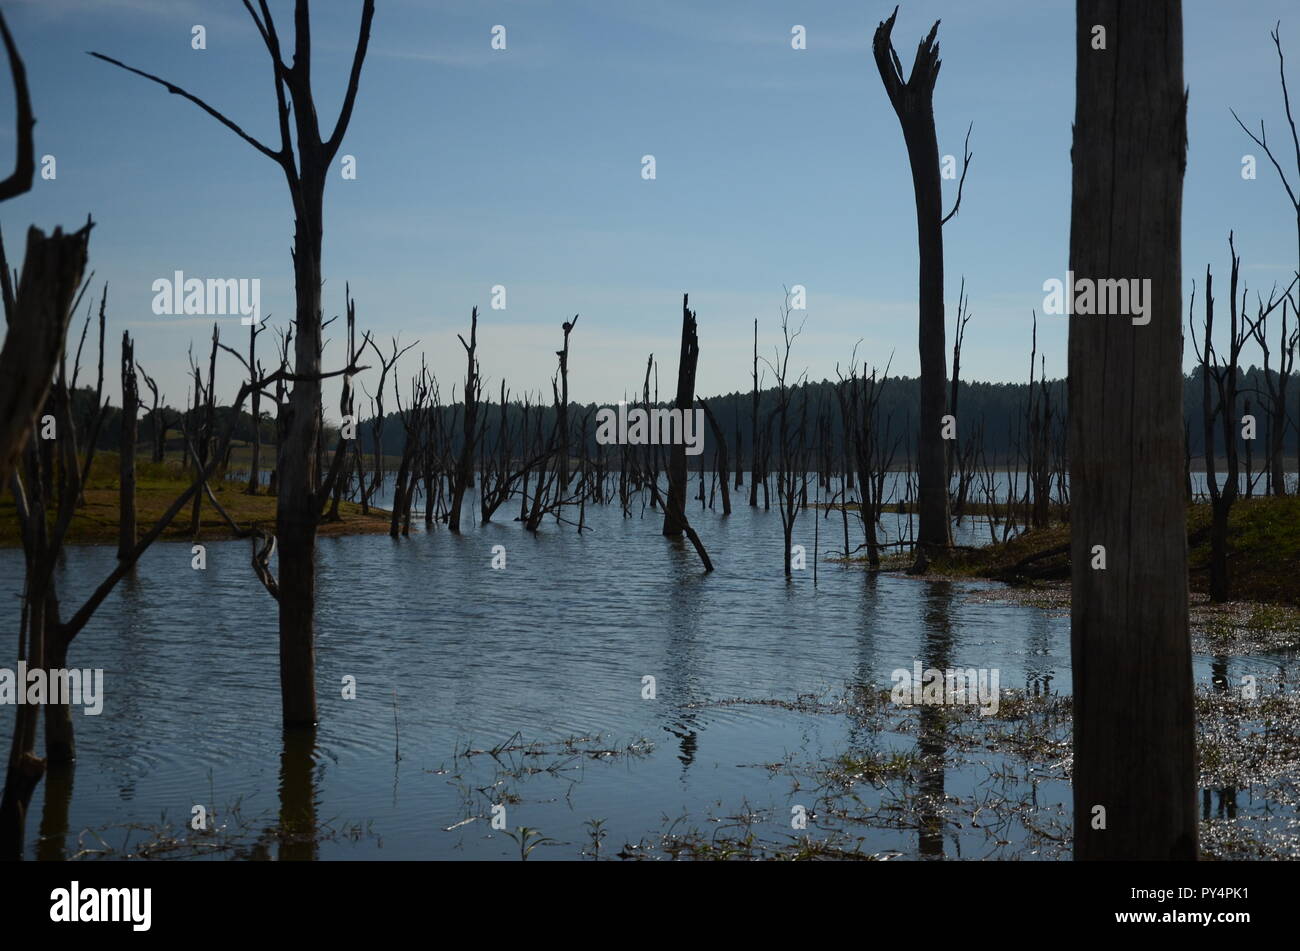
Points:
x=450 y=655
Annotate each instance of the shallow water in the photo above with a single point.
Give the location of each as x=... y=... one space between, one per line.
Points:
x=450 y=655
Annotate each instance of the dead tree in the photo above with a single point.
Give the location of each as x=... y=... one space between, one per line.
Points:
x=377 y=417
x=555 y=478
x=871 y=447
x=463 y=475
x=126 y=451
x=35 y=336
x=1262 y=139
x=281 y=404
x=99 y=411
x=411 y=417
x=721 y=456
x=435 y=456
x=158 y=430
x=913 y=102
x=527 y=468
x=1286 y=345
x=347 y=412
x=1221 y=380
x=966 y=456
x=45 y=510
x=1276 y=386
x=791 y=469
x=497 y=475
x=205 y=418
x=753 y=429
x=1225 y=375
x=1038 y=419
x=959 y=337
x=1251 y=477
x=255 y=462
x=39 y=314
x=298 y=505
x=562 y=411
x=675 y=510
x=45 y=639
x=1134 y=715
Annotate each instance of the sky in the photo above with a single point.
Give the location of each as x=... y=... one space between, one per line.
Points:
x=522 y=167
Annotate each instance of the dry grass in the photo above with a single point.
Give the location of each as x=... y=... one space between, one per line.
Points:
x=157 y=486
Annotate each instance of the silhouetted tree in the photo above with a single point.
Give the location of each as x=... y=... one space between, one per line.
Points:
x=913 y=101
x=1134 y=780
x=126 y=450
x=299 y=500
x=675 y=510
x=463 y=476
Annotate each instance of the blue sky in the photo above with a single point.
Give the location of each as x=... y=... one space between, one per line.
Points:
x=522 y=167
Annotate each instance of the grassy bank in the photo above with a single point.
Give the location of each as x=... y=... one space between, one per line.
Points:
x=1263 y=552
x=157 y=486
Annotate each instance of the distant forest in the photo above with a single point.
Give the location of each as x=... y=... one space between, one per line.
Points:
x=995 y=411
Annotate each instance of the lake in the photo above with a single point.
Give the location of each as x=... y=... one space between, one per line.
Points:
x=524 y=688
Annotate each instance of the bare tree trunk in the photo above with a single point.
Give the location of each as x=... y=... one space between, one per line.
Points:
x=753 y=430
x=912 y=100
x=37 y=317
x=464 y=475
x=255 y=464
x=347 y=408
x=126 y=451
x=722 y=457
x=562 y=415
x=675 y=510
x=297 y=511
x=298 y=506
x=157 y=431
x=38 y=324
x=1134 y=720
x=205 y=416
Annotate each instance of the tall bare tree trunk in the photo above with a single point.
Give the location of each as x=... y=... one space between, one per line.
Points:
x=255 y=464
x=126 y=451
x=305 y=157
x=1134 y=721
x=297 y=511
x=913 y=101
x=38 y=316
x=753 y=431
x=464 y=474
x=675 y=510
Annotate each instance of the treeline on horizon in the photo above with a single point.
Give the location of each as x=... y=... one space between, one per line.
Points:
x=997 y=411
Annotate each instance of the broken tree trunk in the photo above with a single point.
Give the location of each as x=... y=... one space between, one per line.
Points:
x=913 y=102
x=38 y=325
x=675 y=510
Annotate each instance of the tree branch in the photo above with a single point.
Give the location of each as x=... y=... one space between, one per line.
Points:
x=25 y=162
x=965 y=166
x=354 y=81
x=281 y=157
